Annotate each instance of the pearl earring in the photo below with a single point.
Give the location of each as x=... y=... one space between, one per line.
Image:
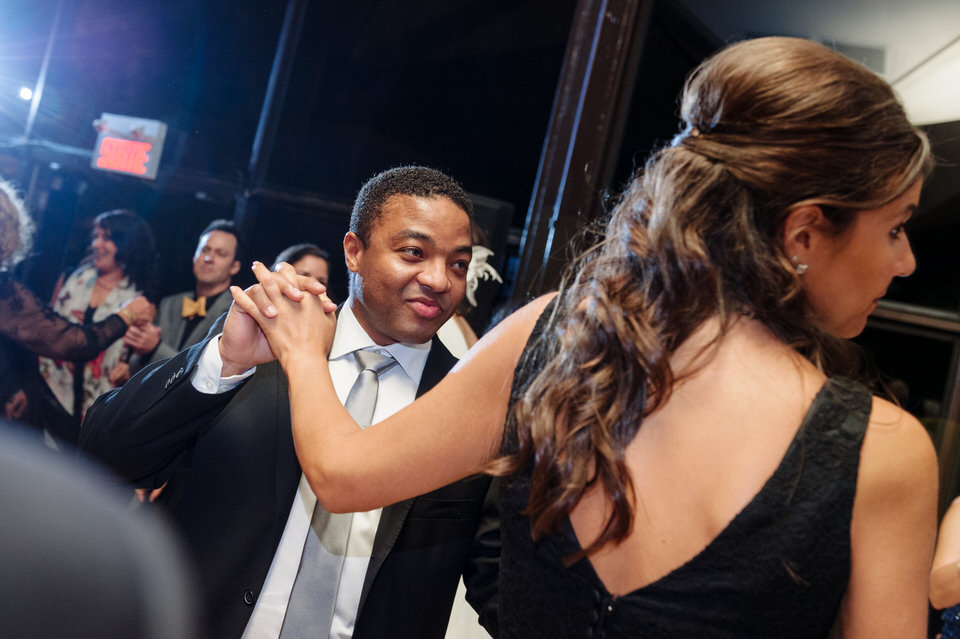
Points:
x=799 y=267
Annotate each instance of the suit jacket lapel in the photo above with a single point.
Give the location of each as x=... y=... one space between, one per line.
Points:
x=175 y=320
x=439 y=362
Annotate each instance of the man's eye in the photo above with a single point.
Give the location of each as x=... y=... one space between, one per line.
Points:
x=412 y=250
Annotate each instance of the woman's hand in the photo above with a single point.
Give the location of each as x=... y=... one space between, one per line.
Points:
x=119 y=374
x=292 y=312
x=138 y=311
x=16 y=405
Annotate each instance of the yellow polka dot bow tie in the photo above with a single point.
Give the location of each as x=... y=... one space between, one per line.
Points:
x=193 y=309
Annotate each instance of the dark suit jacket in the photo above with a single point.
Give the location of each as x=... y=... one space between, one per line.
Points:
x=233 y=475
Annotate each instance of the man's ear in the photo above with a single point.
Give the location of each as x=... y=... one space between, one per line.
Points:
x=352 y=250
x=803 y=232
x=235 y=268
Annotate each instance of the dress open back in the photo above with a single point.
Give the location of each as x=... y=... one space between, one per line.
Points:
x=779 y=569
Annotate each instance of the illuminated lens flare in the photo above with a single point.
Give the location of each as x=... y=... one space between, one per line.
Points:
x=26 y=93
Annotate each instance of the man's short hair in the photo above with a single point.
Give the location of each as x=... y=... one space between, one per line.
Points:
x=416 y=181
x=297 y=252
x=227 y=226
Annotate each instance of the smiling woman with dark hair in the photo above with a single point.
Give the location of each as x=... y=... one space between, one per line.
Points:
x=27 y=325
x=121 y=266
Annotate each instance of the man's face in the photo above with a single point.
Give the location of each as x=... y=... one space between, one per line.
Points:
x=411 y=274
x=215 y=262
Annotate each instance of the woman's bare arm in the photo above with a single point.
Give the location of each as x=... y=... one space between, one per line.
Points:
x=445 y=435
x=893 y=529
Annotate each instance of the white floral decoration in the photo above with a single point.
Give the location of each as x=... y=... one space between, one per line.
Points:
x=479 y=270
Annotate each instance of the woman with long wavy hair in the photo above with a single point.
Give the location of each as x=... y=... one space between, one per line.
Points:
x=120 y=266
x=683 y=452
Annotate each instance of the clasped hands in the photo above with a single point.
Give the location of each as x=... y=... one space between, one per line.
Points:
x=138 y=313
x=284 y=316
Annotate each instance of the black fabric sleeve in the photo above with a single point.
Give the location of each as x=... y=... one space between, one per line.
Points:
x=27 y=321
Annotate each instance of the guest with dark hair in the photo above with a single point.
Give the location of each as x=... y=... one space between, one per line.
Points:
x=28 y=326
x=185 y=318
x=120 y=267
x=682 y=454
x=306 y=259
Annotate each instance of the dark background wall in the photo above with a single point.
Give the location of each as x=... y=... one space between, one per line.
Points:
x=463 y=86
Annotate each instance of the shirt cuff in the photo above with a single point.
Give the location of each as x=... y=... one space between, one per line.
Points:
x=206 y=378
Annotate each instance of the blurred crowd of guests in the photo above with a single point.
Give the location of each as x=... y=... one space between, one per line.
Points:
x=106 y=319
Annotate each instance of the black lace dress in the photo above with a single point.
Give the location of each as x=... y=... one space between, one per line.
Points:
x=779 y=569
x=28 y=328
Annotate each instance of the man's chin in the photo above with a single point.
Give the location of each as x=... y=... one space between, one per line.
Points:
x=422 y=331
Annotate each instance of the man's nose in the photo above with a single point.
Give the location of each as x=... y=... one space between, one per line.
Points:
x=434 y=276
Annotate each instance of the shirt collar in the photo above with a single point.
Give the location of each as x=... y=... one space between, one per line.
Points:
x=350 y=337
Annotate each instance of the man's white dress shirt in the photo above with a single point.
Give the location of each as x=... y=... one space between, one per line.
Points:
x=398 y=387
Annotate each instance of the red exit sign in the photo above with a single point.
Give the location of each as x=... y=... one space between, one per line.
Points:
x=125 y=156
x=128 y=145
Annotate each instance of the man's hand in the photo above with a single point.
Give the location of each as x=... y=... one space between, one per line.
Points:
x=284 y=284
x=16 y=405
x=148 y=495
x=242 y=345
x=306 y=322
x=143 y=339
x=119 y=374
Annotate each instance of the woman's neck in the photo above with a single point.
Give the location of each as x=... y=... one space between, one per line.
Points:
x=109 y=279
x=743 y=335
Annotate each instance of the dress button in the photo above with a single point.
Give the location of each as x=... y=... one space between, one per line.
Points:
x=248 y=597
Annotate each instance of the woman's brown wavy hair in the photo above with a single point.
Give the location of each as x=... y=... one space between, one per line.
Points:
x=770 y=124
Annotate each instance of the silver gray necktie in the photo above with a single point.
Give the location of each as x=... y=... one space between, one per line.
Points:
x=314 y=594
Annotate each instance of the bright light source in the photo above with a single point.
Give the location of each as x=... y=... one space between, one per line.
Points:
x=930 y=92
x=26 y=93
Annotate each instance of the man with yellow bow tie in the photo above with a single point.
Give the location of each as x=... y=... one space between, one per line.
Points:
x=184 y=319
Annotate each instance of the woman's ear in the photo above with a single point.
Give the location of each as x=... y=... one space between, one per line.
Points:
x=802 y=232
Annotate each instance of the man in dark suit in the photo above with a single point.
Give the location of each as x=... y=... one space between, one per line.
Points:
x=225 y=455
x=185 y=318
